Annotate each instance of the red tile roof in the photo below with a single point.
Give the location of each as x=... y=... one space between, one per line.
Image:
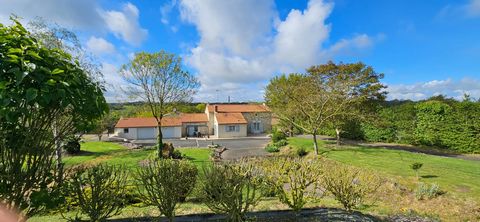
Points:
x=230 y=118
x=166 y=121
x=147 y=122
x=193 y=117
x=238 y=108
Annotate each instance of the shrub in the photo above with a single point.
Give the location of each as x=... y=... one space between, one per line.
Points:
x=98 y=191
x=72 y=144
x=301 y=151
x=350 y=186
x=416 y=167
x=294 y=180
x=272 y=148
x=231 y=189
x=164 y=183
x=278 y=135
x=281 y=143
x=427 y=191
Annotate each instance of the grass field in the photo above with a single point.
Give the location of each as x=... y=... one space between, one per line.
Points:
x=456 y=176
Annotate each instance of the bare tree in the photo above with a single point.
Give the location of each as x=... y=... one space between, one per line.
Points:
x=159 y=80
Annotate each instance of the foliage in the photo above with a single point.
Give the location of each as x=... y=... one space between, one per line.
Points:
x=350 y=186
x=72 y=144
x=294 y=180
x=301 y=151
x=272 y=148
x=231 y=189
x=440 y=122
x=427 y=191
x=40 y=89
x=281 y=143
x=326 y=95
x=159 y=80
x=278 y=135
x=164 y=183
x=416 y=167
x=98 y=191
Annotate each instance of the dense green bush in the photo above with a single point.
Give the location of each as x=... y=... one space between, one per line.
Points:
x=165 y=183
x=294 y=180
x=98 y=191
x=281 y=143
x=278 y=135
x=444 y=123
x=350 y=186
x=72 y=144
x=272 y=148
x=231 y=189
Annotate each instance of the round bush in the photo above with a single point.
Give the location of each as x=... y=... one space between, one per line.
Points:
x=72 y=145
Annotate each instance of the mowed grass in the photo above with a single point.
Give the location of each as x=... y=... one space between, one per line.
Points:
x=456 y=176
x=116 y=154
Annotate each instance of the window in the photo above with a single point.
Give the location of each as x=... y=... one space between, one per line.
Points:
x=256 y=126
x=125 y=130
x=232 y=128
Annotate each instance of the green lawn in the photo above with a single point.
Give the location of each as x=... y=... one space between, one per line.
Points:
x=113 y=153
x=456 y=176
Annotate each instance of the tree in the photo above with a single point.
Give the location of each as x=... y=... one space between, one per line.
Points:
x=54 y=36
x=159 y=80
x=36 y=85
x=324 y=95
x=354 y=87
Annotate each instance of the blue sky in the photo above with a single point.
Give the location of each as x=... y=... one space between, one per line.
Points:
x=234 y=47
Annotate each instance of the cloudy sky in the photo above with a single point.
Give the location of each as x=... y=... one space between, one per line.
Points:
x=234 y=47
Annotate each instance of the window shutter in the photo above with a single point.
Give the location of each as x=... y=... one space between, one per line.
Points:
x=226 y=129
x=237 y=128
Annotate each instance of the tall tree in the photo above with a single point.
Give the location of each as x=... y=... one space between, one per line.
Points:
x=354 y=87
x=159 y=80
x=36 y=85
x=324 y=95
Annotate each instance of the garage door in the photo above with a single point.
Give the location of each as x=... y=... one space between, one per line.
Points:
x=168 y=132
x=146 y=133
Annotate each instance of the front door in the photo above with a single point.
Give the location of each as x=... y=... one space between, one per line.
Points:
x=257 y=127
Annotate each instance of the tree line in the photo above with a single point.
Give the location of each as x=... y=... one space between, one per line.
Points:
x=348 y=100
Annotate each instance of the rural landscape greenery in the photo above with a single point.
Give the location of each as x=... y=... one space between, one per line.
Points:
x=382 y=160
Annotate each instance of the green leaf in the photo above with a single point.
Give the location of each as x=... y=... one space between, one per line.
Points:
x=33 y=54
x=65 y=83
x=57 y=71
x=15 y=51
x=20 y=75
x=31 y=94
x=3 y=85
x=51 y=82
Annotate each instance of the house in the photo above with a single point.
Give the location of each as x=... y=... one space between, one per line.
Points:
x=219 y=121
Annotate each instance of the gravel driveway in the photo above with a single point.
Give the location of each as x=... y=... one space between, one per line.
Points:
x=236 y=148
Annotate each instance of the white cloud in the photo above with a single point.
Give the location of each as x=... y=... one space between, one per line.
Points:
x=100 y=46
x=72 y=14
x=423 y=90
x=473 y=8
x=245 y=42
x=469 y=9
x=84 y=15
x=124 y=24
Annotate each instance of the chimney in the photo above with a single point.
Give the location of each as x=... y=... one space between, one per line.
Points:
x=215 y=108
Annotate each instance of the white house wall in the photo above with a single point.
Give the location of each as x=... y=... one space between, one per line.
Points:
x=133 y=135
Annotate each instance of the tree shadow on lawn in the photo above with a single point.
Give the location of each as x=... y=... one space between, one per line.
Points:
x=308 y=214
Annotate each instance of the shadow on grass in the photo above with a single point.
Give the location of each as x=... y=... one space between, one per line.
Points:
x=309 y=214
x=429 y=176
